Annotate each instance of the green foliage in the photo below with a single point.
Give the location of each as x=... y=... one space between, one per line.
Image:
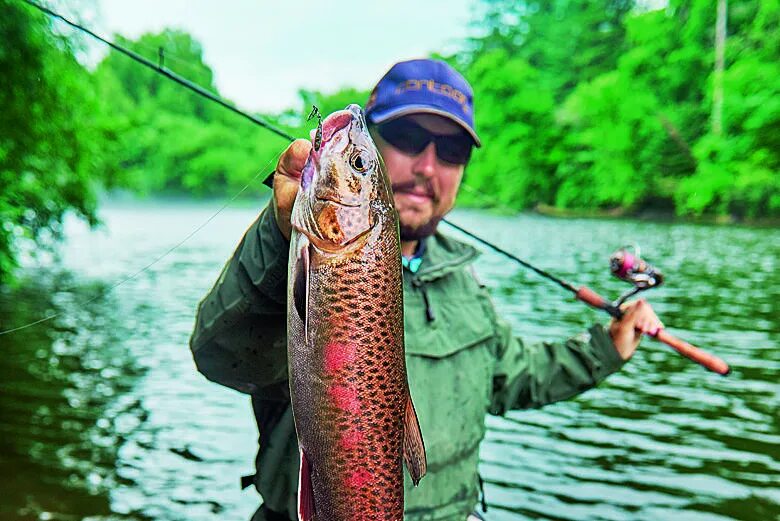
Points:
x=150 y=91
x=738 y=172
x=600 y=105
x=607 y=129
x=515 y=119
x=580 y=104
x=48 y=141
x=169 y=140
x=568 y=41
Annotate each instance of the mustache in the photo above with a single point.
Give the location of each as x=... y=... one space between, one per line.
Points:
x=414 y=186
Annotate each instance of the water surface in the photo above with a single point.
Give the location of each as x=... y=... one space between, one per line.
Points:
x=103 y=416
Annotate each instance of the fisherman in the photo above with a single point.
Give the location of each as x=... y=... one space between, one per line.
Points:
x=463 y=361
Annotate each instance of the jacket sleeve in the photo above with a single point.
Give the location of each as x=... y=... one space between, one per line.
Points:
x=532 y=375
x=240 y=336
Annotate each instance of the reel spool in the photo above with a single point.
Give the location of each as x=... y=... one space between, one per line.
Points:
x=628 y=266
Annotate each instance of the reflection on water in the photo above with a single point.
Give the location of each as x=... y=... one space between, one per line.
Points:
x=66 y=405
x=103 y=416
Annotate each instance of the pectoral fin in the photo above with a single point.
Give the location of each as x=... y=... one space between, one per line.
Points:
x=269 y=181
x=301 y=282
x=305 y=491
x=414 y=449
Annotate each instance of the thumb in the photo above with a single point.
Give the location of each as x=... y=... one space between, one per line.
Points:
x=293 y=159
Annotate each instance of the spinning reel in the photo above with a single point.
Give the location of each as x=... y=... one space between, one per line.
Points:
x=630 y=267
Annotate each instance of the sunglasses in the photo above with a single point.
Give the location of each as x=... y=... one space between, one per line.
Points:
x=410 y=138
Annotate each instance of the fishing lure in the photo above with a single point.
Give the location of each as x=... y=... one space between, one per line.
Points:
x=315 y=113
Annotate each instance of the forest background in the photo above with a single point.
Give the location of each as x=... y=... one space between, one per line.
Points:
x=584 y=106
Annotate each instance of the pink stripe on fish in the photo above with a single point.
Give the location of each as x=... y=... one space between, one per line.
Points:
x=345 y=398
x=338 y=355
x=350 y=438
x=358 y=479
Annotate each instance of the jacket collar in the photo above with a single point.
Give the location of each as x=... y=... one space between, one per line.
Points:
x=444 y=255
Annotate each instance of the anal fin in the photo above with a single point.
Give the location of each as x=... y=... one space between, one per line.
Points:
x=414 y=449
x=305 y=491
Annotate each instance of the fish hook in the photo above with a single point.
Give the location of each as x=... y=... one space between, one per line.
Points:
x=315 y=112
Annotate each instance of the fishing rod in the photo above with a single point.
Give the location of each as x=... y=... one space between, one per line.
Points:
x=159 y=68
x=629 y=268
x=583 y=293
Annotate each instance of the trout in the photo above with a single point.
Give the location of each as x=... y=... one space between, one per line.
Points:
x=354 y=417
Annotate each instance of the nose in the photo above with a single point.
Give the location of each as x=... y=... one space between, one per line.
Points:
x=425 y=162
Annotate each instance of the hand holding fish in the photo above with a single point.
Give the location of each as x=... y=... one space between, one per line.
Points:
x=286 y=184
x=638 y=319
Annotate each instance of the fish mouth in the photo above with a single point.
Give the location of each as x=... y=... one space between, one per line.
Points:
x=335 y=122
x=331 y=199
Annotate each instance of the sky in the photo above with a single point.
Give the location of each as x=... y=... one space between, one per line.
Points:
x=263 y=52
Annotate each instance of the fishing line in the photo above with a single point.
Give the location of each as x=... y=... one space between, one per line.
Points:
x=155 y=261
x=565 y=285
x=202 y=92
x=582 y=293
x=167 y=73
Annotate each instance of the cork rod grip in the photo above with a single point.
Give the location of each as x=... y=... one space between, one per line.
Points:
x=711 y=362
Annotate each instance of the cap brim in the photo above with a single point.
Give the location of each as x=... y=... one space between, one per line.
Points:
x=397 y=112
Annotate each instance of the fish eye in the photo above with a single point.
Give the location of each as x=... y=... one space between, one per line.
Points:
x=359 y=161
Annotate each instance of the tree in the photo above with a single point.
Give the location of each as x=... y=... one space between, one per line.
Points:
x=593 y=104
x=49 y=145
x=568 y=41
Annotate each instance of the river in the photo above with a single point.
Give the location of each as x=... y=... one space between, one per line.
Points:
x=103 y=415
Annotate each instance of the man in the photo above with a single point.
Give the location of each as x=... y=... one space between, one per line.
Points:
x=462 y=359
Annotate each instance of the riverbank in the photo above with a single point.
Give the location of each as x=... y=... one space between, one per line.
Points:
x=654 y=215
x=259 y=200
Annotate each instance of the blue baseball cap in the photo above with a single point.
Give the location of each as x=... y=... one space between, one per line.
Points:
x=423 y=87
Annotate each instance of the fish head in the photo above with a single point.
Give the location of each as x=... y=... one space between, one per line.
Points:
x=344 y=189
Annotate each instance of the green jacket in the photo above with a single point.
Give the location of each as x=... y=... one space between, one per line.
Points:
x=463 y=362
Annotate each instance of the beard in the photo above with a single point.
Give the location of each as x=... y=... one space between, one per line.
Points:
x=415 y=233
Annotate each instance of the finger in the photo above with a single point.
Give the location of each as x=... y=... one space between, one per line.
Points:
x=293 y=159
x=647 y=320
x=641 y=324
x=633 y=309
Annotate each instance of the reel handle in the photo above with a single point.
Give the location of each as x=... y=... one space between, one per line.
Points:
x=707 y=360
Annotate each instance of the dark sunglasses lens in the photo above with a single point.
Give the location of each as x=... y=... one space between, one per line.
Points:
x=411 y=138
x=406 y=137
x=456 y=150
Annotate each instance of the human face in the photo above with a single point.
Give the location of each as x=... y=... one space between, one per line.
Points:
x=424 y=186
